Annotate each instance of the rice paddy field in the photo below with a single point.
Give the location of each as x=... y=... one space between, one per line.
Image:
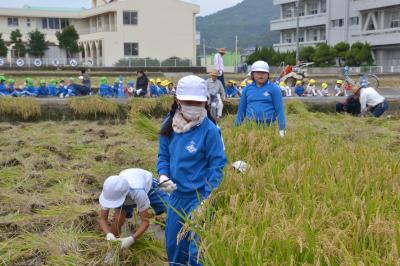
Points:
x=326 y=194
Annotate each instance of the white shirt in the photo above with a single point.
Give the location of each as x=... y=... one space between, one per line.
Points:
x=219 y=63
x=140 y=182
x=369 y=97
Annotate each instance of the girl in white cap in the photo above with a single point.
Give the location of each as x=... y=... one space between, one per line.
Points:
x=132 y=188
x=261 y=101
x=191 y=155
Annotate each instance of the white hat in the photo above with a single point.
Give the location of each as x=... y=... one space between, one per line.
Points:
x=260 y=66
x=191 y=88
x=114 y=192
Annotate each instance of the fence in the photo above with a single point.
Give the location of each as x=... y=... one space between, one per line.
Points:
x=47 y=62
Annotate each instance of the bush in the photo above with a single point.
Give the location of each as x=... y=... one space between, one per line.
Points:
x=137 y=62
x=21 y=108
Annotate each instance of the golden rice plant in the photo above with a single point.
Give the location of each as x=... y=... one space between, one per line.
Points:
x=22 y=108
x=93 y=105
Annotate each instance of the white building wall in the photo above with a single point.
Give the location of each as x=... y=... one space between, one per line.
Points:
x=165 y=29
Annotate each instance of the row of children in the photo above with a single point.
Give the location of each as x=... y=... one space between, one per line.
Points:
x=156 y=88
x=53 y=88
x=310 y=89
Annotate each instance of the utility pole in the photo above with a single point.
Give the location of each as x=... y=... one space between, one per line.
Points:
x=297 y=31
x=236 y=53
x=204 y=52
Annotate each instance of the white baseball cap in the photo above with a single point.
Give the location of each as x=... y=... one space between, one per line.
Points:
x=191 y=88
x=260 y=66
x=115 y=190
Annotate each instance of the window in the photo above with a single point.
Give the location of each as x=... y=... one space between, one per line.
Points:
x=395 y=19
x=131 y=49
x=44 y=23
x=337 y=23
x=130 y=18
x=301 y=35
x=64 y=23
x=28 y=22
x=13 y=21
x=323 y=35
x=323 y=6
x=54 y=23
x=99 y=22
x=313 y=7
x=371 y=25
x=288 y=10
x=302 y=9
x=287 y=37
x=354 y=21
x=313 y=34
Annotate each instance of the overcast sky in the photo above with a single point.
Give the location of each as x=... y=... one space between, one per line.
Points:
x=207 y=6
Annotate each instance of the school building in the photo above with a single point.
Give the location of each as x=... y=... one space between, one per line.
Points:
x=112 y=30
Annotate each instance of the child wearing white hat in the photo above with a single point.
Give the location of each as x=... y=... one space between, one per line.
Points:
x=132 y=188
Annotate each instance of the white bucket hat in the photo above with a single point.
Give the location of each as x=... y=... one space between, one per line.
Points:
x=260 y=66
x=191 y=88
x=115 y=189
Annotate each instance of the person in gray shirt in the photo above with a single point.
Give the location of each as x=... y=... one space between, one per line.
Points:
x=216 y=94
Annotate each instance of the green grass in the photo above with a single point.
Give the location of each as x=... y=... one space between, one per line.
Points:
x=326 y=194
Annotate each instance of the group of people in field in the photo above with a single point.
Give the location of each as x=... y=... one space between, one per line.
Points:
x=311 y=88
x=190 y=164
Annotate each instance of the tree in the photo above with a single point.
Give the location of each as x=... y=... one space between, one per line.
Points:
x=3 y=47
x=19 y=46
x=37 y=43
x=365 y=55
x=324 y=55
x=307 y=54
x=359 y=54
x=68 y=39
x=341 y=50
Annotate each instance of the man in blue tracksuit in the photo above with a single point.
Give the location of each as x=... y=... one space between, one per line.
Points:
x=262 y=100
x=191 y=158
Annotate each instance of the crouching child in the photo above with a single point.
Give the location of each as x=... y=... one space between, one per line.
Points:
x=132 y=188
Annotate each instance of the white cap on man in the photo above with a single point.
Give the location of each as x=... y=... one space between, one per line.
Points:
x=115 y=190
x=191 y=88
x=260 y=66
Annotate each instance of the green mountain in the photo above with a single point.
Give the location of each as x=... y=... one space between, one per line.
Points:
x=249 y=20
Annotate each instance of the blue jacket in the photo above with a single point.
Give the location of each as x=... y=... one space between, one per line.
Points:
x=52 y=90
x=104 y=90
x=71 y=91
x=262 y=104
x=299 y=90
x=3 y=89
x=193 y=160
x=162 y=91
x=43 y=91
x=32 y=89
x=154 y=90
x=231 y=91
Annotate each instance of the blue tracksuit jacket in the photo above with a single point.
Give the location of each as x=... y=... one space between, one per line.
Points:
x=262 y=104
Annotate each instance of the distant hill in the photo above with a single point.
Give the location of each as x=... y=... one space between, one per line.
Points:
x=249 y=20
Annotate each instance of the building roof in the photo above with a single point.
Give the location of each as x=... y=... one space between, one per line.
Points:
x=55 y=9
